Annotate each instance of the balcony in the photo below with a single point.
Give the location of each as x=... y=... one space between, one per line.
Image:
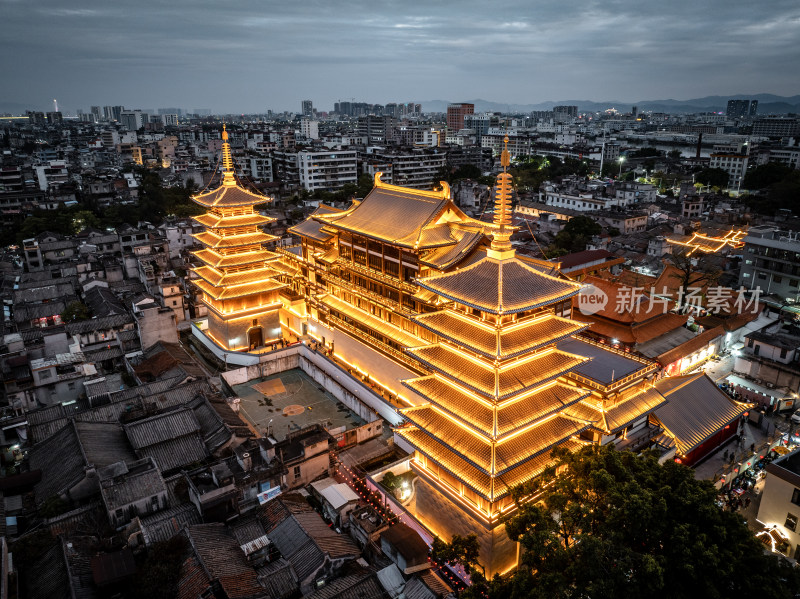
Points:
x=378 y=276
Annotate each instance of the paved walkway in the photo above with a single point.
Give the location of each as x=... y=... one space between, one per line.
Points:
x=755 y=441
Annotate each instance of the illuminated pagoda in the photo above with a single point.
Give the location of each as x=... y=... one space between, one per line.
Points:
x=239 y=278
x=499 y=394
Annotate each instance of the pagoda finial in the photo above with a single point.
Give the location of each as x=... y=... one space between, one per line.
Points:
x=502 y=203
x=227 y=160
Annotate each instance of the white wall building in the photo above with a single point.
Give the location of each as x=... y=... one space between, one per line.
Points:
x=327 y=170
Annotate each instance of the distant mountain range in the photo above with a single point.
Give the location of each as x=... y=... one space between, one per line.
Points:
x=767 y=104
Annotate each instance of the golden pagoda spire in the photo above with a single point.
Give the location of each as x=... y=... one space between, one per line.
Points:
x=227 y=160
x=501 y=244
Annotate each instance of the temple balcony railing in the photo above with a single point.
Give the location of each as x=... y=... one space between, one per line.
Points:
x=641 y=439
x=378 y=276
x=377 y=343
x=376 y=297
x=285 y=251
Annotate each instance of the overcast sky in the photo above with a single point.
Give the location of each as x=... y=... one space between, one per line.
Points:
x=250 y=55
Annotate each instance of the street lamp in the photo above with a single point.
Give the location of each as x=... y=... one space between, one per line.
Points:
x=621 y=160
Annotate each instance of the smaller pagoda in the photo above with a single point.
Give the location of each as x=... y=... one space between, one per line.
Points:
x=239 y=278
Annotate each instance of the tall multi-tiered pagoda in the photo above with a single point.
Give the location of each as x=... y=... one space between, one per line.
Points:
x=498 y=402
x=239 y=277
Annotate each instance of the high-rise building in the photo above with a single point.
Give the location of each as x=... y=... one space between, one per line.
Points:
x=309 y=128
x=569 y=111
x=456 y=114
x=327 y=170
x=116 y=112
x=108 y=113
x=168 y=118
x=377 y=129
x=238 y=276
x=741 y=108
x=307 y=108
x=95 y=110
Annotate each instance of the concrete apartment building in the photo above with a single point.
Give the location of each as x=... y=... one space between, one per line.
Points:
x=456 y=114
x=327 y=170
x=776 y=126
x=780 y=503
x=734 y=162
x=771 y=262
x=418 y=168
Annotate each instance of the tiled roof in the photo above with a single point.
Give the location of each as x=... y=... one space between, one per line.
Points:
x=255 y=238
x=695 y=410
x=217 y=278
x=691 y=346
x=500 y=286
x=222 y=293
x=239 y=259
x=229 y=196
x=474 y=448
x=278 y=578
x=351 y=586
x=517 y=413
x=47 y=576
x=61 y=461
x=312 y=229
x=496 y=383
x=165 y=524
x=193 y=581
x=607 y=365
x=443 y=455
x=514 y=338
x=392 y=215
x=445 y=257
x=539 y=438
x=113 y=321
x=224 y=561
x=633 y=406
x=140 y=482
x=217 y=221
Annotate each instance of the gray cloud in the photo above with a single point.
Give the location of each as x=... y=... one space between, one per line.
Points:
x=251 y=55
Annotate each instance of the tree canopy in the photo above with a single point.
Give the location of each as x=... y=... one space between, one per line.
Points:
x=576 y=234
x=715 y=177
x=616 y=524
x=765 y=175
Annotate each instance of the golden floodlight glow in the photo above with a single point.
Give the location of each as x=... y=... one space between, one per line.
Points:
x=710 y=245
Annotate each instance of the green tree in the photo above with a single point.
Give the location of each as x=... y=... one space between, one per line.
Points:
x=715 y=177
x=158 y=576
x=611 y=524
x=466 y=171
x=674 y=154
x=765 y=175
x=646 y=152
x=75 y=311
x=692 y=271
x=577 y=233
x=365 y=185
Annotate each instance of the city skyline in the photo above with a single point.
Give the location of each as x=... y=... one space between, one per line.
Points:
x=92 y=53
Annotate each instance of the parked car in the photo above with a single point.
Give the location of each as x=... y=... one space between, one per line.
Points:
x=796 y=417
